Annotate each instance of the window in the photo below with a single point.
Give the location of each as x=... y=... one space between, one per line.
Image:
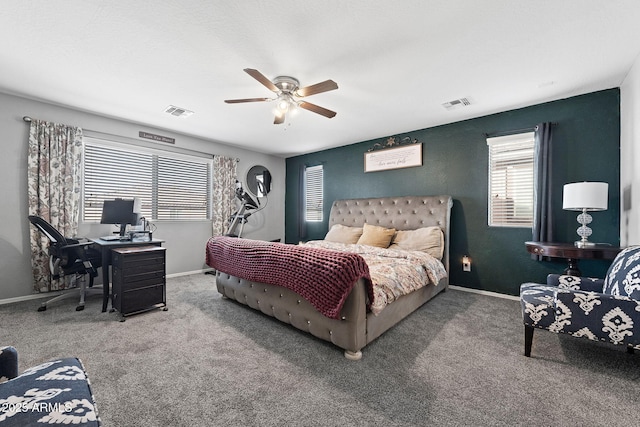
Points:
x=170 y=186
x=313 y=193
x=511 y=180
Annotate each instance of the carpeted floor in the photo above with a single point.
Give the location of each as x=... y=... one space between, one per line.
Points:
x=457 y=361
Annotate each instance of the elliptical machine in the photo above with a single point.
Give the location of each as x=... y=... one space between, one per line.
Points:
x=248 y=206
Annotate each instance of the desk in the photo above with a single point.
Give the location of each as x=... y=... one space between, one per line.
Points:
x=105 y=246
x=572 y=253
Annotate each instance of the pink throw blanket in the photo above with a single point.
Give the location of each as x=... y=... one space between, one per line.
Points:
x=321 y=276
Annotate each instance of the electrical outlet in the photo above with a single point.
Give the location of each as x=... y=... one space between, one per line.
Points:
x=466 y=263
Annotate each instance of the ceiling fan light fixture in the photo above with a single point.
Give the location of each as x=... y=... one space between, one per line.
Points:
x=286 y=84
x=283 y=104
x=288 y=95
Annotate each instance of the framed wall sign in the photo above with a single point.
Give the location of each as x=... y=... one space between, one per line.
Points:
x=393 y=158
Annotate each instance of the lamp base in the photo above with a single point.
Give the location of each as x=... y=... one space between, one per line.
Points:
x=583 y=231
x=583 y=244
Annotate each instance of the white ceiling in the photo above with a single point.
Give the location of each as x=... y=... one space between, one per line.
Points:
x=396 y=62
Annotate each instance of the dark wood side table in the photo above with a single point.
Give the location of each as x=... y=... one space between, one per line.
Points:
x=572 y=253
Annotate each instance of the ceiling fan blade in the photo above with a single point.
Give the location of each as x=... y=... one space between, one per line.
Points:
x=279 y=119
x=324 y=86
x=317 y=109
x=237 y=101
x=262 y=79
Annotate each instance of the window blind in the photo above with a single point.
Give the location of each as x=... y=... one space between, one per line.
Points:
x=170 y=186
x=511 y=180
x=314 y=196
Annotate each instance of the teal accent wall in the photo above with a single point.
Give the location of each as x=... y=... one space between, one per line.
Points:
x=586 y=147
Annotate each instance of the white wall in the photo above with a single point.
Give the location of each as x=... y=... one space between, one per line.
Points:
x=630 y=156
x=185 y=241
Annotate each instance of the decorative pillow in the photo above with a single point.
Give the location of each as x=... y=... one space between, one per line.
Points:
x=343 y=234
x=374 y=235
x=427 y=239
x=623 y=277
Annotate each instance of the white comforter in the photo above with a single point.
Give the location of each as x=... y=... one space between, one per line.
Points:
x=393 y=272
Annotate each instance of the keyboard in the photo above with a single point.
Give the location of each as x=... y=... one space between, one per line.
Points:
x=112 y=238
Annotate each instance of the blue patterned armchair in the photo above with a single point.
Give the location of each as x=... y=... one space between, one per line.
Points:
x=56 y=392
x=598 y=309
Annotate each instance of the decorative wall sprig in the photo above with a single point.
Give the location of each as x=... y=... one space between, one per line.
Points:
x=393 y=141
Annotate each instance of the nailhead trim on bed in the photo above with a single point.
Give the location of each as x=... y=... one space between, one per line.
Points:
x=391 y=212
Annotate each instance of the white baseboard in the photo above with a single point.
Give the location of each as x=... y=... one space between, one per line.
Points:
x=56 y=293
x=34 y=296
x=488 y=293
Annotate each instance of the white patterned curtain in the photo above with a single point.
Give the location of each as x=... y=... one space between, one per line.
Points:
x=224 y=185
x=54 y=184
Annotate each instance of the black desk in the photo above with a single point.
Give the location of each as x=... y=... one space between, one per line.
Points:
x=105 y=246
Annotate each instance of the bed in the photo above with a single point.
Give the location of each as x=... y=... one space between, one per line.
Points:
x=247 y=271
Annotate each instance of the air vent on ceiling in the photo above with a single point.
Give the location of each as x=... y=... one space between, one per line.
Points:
x=457 y=103
x=177 y=111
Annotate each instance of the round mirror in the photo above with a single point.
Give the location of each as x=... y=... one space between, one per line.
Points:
x=259 y=181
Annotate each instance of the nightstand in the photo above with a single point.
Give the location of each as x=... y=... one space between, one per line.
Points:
x=572 y=253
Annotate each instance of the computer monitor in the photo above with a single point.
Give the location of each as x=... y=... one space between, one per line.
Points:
x=119 y=212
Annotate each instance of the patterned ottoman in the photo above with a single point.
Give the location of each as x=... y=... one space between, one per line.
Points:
x=56 y=392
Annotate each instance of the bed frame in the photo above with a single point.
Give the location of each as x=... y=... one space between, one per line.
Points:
x=356 y=327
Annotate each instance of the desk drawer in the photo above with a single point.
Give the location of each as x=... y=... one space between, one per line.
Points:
x=139 y=281
x=136 y=273
x=142 y=262
x=139 y=299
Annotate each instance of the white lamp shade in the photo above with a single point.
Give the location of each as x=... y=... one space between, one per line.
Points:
x=592 y=196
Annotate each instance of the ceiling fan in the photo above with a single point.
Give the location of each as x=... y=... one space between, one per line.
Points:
x=289 y=94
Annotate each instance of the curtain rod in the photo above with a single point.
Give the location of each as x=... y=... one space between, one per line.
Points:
x=508 y=132
x=118 y=138
x=513 y=131
x=142 y=143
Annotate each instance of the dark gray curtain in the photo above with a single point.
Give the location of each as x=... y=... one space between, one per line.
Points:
x=543 y=186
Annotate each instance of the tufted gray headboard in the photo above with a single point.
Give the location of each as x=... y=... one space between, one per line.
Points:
x=401 y=213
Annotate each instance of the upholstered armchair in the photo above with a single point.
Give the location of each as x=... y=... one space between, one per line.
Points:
x=55 y=392
x=598 y=309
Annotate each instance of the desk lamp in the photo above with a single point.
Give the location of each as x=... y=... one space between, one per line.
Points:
x=585 y=196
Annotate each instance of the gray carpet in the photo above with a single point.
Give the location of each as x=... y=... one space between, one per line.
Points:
x=457 y=361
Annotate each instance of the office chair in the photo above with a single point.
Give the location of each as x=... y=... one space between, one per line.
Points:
x=68 y=256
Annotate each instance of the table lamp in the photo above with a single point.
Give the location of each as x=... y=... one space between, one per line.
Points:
x=585 y=196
